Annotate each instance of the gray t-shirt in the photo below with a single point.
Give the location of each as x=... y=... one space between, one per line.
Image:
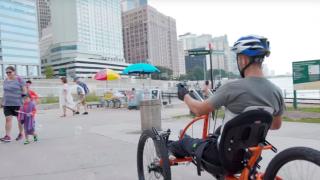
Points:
x=12 y=91
x=238 y=95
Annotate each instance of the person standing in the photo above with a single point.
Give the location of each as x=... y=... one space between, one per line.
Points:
x=33 y=95
x=26 y=115
x=13 y=88
x=65 y=99
x=206 y=89
x=82 y=91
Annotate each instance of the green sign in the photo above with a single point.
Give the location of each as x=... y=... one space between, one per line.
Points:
x=62 y=72
x=198 y=52
x=306 y=71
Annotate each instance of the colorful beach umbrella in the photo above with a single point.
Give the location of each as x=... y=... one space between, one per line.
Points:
x=107 y=75
x=141 y=68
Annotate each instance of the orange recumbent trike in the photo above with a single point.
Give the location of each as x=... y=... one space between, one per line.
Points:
x=240 y=146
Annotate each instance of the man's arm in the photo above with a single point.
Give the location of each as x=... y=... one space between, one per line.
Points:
x=276 y=123
x=197 y=107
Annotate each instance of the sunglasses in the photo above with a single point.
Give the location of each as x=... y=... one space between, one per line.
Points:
x=9 y=72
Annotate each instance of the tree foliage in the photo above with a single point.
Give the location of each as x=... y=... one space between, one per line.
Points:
x=165 y=73
x=49 y=72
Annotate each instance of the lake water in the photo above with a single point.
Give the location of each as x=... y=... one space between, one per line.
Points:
x=286 y=85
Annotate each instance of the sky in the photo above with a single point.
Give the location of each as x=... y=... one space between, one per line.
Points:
x=292 y=27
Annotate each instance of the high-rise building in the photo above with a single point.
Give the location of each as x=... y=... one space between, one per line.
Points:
x=220 y=58
x=196 y=62
x=149 y=37
x=44 y=15
x=19 y=37
x=127 y=5
x=192 y=41
x=232 y=62
x=221 y=55
x=181 y=63
x=86 y=37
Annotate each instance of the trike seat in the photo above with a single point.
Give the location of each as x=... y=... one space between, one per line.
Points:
x=244 y=131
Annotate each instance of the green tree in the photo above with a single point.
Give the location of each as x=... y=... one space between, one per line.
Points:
x=196 y=74
x=49 y=72
x=165 y=73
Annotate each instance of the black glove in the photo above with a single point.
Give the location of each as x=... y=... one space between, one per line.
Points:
x=182 y=91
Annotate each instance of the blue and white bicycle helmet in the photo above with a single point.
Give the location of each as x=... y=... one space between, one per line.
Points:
x=256 y=47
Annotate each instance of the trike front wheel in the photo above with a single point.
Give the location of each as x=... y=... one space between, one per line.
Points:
x=152 y=158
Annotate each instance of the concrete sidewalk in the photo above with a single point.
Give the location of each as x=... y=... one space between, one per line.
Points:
x=103 y=146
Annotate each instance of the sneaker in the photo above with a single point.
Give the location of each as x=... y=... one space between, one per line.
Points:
x=6 y=139
x=85 y=113
x=77 y=112
x=35 y=138
x=19 y=137
x=26 y=142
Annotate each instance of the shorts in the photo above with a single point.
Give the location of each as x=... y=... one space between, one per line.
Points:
x=82 y=99
x=11 y=110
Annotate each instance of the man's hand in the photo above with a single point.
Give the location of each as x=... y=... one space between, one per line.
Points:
x=182 y=91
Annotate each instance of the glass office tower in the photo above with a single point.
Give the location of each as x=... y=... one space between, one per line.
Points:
x=19 y=37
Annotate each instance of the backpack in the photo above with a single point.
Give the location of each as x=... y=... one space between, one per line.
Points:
x=85 y=88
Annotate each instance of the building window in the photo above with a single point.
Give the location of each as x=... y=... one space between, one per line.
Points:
x=64 y=48
x=1 y=71
x=33 y=71
x=22 y=70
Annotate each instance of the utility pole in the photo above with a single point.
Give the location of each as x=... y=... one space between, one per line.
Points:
x=211 y=73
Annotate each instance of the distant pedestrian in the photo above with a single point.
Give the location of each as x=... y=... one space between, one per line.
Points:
x=26 y=117
x=13 y=88
x=82 y=91
x=33 y=95
x=65 y=99
x=206 y=89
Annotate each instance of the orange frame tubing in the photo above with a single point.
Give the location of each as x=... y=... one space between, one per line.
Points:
x=205 y=130
x=256 y=152
x=205 y=126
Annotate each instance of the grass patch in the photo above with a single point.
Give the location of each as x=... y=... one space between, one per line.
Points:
x=49 y=100
x=304 y=120
x=183 y=116
x=305 y=109
x=220 y=114
x=91 y=97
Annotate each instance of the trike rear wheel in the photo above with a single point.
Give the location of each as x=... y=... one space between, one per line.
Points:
x=295 y=163
x=152 y=157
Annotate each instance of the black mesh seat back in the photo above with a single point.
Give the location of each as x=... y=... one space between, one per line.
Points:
x=246 y=130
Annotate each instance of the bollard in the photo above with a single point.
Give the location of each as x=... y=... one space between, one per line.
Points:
x=150 y=112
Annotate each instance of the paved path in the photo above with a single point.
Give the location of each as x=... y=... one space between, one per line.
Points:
x=103 y=146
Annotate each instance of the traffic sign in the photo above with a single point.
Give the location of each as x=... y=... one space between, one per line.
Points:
x=306 y=74
x=62 y=72
x=198 y=52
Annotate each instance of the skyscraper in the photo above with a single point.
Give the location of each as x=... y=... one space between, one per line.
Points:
x=86 y=36
x=181 y=62
x=127 y=5
x=149 y=36
x=44 y=15
x=220 y=59
x=19 y=37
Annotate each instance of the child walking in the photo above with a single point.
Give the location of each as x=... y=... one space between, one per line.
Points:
x=26 y=117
